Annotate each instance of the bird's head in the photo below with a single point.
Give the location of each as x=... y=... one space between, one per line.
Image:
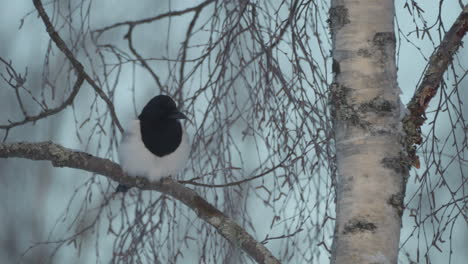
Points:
x=161 y=108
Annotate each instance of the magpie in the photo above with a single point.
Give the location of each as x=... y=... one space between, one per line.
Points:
x=155 y=145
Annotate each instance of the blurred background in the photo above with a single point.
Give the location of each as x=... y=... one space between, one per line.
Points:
x=256 y=102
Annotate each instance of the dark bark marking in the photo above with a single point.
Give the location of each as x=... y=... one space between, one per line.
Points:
x=341 y=109
x=399 y=164
x=384 y=47
x=397 y=202
x=336 y=67
x=384 y=38
x=378 y=104
x=364 y=53
x=358 y=224
x=338 y=17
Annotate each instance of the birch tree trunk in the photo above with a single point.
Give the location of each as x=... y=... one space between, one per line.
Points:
x=371 y=161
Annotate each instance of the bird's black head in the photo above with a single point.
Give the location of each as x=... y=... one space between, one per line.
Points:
x=160 y=108
x=160 y=128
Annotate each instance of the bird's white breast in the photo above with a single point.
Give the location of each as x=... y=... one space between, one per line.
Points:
x=137 y=160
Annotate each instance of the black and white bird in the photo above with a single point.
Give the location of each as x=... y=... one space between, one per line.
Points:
x=155 y=145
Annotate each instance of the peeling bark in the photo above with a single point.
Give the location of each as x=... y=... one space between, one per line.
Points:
x=63 y=157
x=429 y=85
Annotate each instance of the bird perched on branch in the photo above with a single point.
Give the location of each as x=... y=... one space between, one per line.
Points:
x=156 y=145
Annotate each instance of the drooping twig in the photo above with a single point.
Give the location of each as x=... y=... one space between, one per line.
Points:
x=143 y=62
x=197 y=8
x=63 y=157
x=184 y=50
x=79 y=68
x=49 y=112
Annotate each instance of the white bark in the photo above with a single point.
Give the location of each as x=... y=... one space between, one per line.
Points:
x=371 y=159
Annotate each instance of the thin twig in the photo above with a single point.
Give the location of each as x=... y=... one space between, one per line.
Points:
x=63 y=157
x=49 y=112
x=79 y=68
x=158 y=17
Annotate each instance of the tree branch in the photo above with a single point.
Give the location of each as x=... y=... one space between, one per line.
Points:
x=143 y=62
x=49 y=112
x=79 y=68
x=197 y=8
x=63 y=157
x=433 y=75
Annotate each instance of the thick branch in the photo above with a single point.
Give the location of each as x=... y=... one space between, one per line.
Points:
x=433 y=75
x=63 y=157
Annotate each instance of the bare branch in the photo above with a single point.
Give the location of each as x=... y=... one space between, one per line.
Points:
x=79 y=68
x=438 y=64
x=52 y=111
x=184 y=50
x=143 y=62
x=63 y=157
x=197 y=8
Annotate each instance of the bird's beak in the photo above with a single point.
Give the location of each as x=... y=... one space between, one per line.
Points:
x=177 y=115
